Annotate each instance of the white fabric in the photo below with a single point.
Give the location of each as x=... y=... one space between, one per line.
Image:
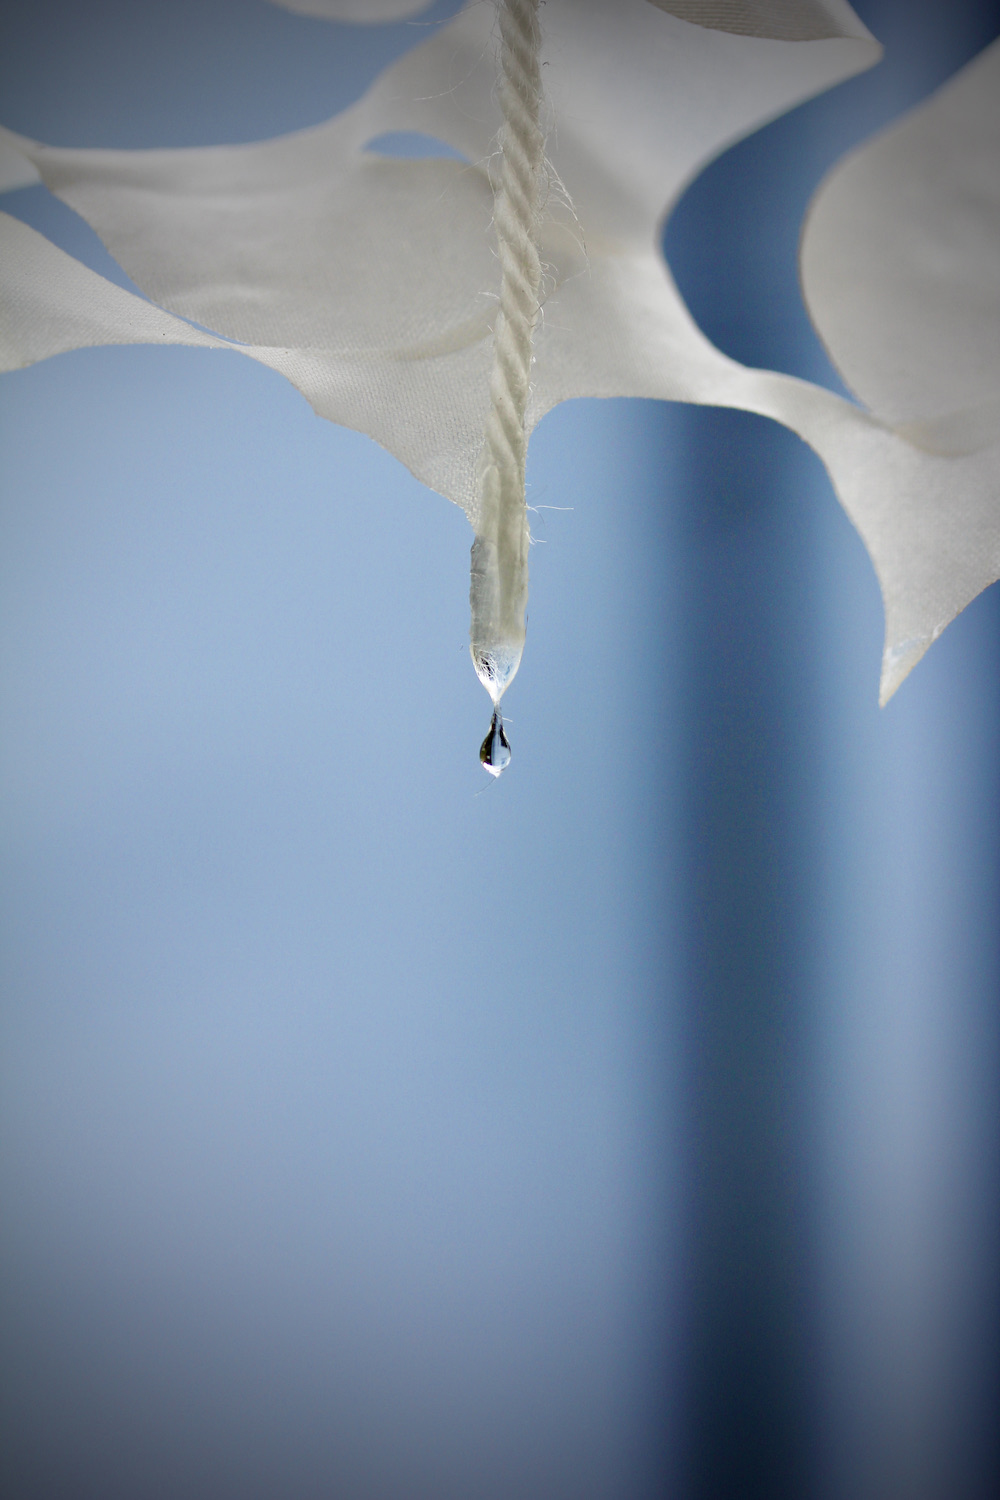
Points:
x=16 y=171
x=901 y=256
x=371 y=284
x=901 y=273
x=789 y=20
x=784 y=20
x=51 y=304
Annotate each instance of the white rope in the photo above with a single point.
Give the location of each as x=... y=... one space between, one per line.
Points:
x=516 y=209
x=499 y=586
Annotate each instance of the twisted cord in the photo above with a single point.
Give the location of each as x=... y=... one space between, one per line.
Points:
x=498 y=582
x=516 y=212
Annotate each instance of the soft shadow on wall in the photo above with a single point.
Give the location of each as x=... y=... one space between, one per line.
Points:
x=841 y=900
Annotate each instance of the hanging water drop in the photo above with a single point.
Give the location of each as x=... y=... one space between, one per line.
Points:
x=495 y=749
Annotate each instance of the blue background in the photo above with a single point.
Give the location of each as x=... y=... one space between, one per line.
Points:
x=629 y=1129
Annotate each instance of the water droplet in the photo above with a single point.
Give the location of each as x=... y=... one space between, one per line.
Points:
x=495 y=749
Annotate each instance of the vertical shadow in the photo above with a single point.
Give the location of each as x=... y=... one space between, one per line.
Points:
x=749 y=828
x=747 y=497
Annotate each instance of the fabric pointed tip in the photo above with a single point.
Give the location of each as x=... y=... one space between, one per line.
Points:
x=16 y=171
x=898 y=661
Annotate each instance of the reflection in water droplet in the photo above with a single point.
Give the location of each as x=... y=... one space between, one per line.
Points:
x=495 y=749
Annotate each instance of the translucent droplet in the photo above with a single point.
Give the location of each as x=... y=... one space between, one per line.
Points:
x=495 y=749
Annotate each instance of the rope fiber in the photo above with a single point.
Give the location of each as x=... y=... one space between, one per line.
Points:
x=498 y=591
x=516 y=213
